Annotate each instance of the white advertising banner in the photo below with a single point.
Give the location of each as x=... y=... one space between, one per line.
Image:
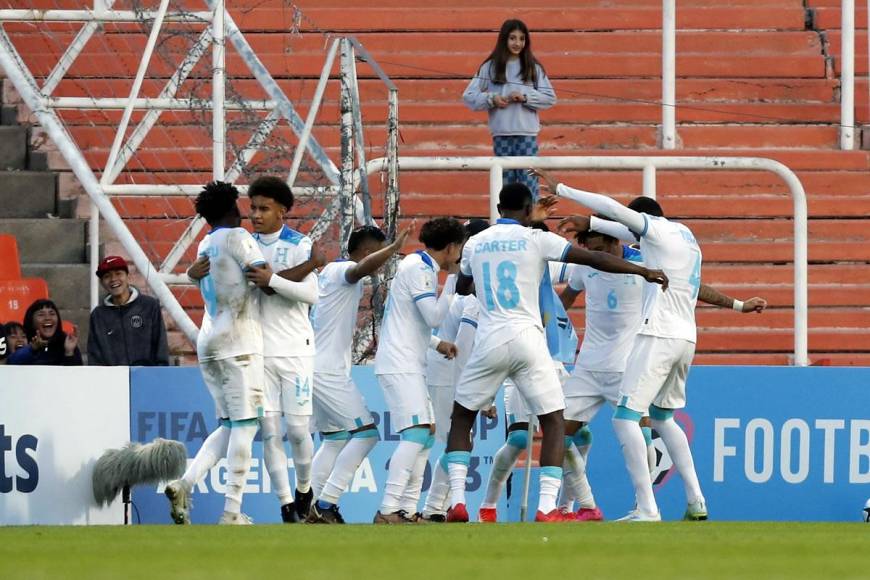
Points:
x=55 y=422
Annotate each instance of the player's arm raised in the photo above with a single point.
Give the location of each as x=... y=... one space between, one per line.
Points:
x=634 y=221
x=374 y=261
x=609 y=263
x=710 y=295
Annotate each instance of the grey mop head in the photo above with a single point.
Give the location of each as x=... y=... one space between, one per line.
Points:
x=134 y=464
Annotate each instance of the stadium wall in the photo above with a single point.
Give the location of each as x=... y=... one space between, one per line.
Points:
x=770 y=443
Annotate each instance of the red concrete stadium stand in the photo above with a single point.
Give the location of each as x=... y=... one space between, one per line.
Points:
x=755 y=78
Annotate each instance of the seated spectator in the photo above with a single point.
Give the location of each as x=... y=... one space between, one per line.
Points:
x=127 y=328
x=12 y=337
x=48 y=343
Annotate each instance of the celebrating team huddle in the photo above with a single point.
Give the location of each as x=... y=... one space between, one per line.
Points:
x=277 y=335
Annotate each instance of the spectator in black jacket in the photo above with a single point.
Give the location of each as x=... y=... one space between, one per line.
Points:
x=127 y=328
x=49 y=344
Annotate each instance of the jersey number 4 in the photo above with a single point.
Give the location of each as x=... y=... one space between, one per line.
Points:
x=506 y=293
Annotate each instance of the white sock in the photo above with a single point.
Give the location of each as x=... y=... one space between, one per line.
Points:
x=651 y=458
x=238 y=464
x=411 y=497
x=458 y=472
x=502 y=464
x=324 y=462
x=302 y=446
x=346 y=464
x=634 y=449
x=678 y=448
x=213 y=449
x=275 y=457
x=576 y=483
x=439 y=490
x=402 y=463
x=550 y=481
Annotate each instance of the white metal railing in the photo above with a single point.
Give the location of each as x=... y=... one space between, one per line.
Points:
x=649 y=165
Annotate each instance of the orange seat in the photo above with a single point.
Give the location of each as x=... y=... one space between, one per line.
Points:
x=10 y=267
x=17 y=295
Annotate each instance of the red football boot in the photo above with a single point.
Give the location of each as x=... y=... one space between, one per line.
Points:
x=487 y=516
x=551 y=517
x=589 y=515
x=459 y=513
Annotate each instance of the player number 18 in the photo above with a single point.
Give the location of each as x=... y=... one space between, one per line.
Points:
x=506 y=292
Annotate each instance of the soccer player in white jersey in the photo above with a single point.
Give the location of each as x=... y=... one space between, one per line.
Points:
x=341 y=416
x=562 y=346
x=655 y=376
x=441 y=382
x=230 y=352
x=506 y=263
x=613 y=315
x=413 y=309
x=288 y=341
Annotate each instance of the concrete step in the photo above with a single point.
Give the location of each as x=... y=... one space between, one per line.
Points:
x=68 y=284
x=28 y=194
x=48 y=240
x=13 y=147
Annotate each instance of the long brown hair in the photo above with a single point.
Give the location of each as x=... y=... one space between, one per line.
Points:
x=501 y=53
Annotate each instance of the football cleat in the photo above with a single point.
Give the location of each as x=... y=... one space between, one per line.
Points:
x=179 y=502
x=487 y=515
x=303 y=503
x=551 y=516
x=696 y=511
x=639 y=516
x=433 y=519
x=234 y=519
x=457 y=514
x=289 y=515
x=589 y=515
x=319 y=515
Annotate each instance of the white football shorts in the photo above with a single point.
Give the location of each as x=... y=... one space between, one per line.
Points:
x=338 y=404
x=407 y=399
x=586 y=391
x=656 y=373
x=236 y=385
x=524 y=359
x=289 y=383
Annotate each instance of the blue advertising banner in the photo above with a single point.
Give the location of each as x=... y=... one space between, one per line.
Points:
x=173 y=403
x=770 y=443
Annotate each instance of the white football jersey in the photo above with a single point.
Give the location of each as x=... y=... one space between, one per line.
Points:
x=286 y=326
x=231 y=323
x=507 y=262
x=560 y=272
x=670 y=247
x=335 y=317
x=439 y=370
x=405 y=334
x=613 y=309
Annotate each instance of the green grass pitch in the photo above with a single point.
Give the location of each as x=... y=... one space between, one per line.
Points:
x=531 y=551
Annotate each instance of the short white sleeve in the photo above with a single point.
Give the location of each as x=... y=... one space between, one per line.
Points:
x=340 y=271
x=305 y=247
x=244 y=248
x=465 y=264
x=470 y=311
x=575 y=280
x=422 y=282
x=549 y=245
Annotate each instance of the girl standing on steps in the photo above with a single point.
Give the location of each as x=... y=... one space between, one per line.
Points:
x=512 y=86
